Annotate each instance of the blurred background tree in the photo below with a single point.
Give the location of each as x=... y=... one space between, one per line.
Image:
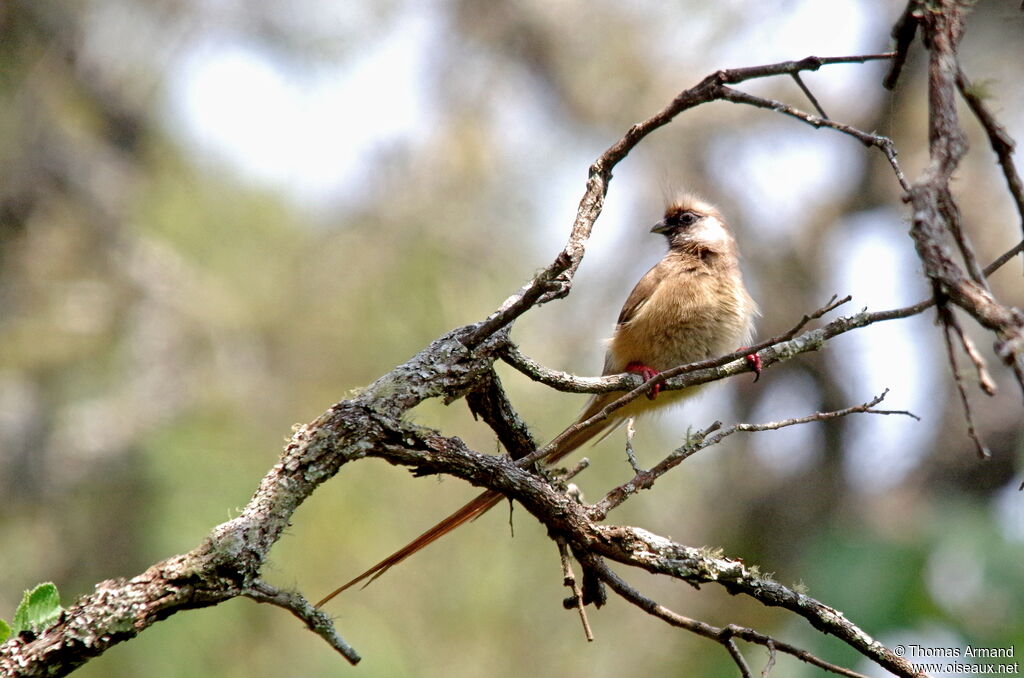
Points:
x=218 y=218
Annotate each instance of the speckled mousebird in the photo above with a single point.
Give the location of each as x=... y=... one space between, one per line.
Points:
x=692 y=305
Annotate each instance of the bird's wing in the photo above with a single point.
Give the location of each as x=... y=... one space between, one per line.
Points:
x=641 y=293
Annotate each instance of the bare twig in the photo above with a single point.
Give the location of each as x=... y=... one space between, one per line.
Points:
x=630 y=454
x=903 y=33
x=571 y=473
x=884 y=144
x=951 y=322
x=736 y=655
x=1003 y=258
x=569 y=580
x=951 y=215
x=733 y=76
x=645 y=479
x=951 y=326
x=1000 y=140
x=316 y=621
x=766 y=671
x=563 y=381
x=722 y=635
x=810 y=96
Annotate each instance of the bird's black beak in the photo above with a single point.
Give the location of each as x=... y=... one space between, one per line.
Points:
x=660 y=227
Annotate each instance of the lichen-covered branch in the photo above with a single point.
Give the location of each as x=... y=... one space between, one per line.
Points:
x=637 y=547
x=227 y=564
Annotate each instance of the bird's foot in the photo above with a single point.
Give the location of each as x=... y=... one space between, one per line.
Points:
x=754 y=361
x=647 y=373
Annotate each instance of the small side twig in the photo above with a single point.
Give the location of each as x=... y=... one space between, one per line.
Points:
x=563 y=381
x=630 y=454
x=571 y=473
x=569 y=579
x=1004 y=257
x=951 y=214
x=1001 y=142
x=950 y=326
x=316 y=621
x=985 y=381
x=645 y=479
x=734 y=652
x=810 y=96
x=723 y=635
x=880 y=142
x=771 y=658
x=903 y=33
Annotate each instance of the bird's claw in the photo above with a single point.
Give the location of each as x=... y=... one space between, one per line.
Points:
x=647 y=373
x=754 y=361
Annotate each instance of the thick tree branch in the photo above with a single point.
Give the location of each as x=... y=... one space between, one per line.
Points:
x=228 y=562
x=634 y=546
x=490 y=403
x=931 y=199
x=428 y=452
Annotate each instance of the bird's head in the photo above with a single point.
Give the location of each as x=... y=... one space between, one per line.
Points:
x=690 y=223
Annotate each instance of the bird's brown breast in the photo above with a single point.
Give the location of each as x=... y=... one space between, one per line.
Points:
x=689 y=309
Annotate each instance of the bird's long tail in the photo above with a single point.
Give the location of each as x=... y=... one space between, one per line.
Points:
x=487 y=500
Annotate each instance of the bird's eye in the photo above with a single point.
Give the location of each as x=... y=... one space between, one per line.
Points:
x=686 y=219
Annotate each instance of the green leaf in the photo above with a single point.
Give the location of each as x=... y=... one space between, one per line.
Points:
x=39 y=608
x=5 y=631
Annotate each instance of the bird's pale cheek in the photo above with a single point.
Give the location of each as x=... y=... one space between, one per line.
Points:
x=711 y=232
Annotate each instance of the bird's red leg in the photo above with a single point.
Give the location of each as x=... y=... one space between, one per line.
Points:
x=647 y=373
x=754 y=360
